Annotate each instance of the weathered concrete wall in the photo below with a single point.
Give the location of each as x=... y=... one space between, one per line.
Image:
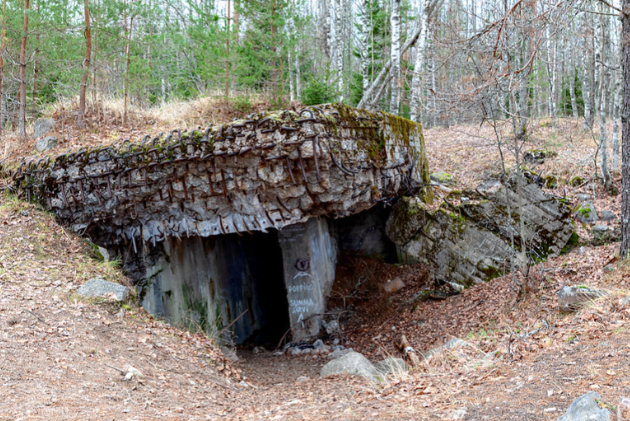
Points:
x=209 y=282
x=309 y=254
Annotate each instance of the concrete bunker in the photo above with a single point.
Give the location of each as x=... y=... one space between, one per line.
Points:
x=239 y=226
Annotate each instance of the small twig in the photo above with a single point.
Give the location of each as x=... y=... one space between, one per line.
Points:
x=231 y=323
x=38 y=318
x=115 y=368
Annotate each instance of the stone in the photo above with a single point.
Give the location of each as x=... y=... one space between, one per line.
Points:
x=607 y=216
x=133 y=372
x=451 y=345
x=301 y=379
x=583 y=197
x=608 y=268
x=394 y=285
x=42 y=127
x=470 y=243
x=585 y=408
x=229 y=353
x=391 y=366
x=333 y=327
x=296 y=351
x=586 y=213
x=45 y=144
x=339 y=352
x=600 y=228
x=353 y=364
x=103 y=253
x=459 y=414
x=98 y=287
x=318 y=345
x=573 y=298
x=442 y=178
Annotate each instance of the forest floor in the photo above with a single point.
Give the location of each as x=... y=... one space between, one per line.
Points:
x=65 y=357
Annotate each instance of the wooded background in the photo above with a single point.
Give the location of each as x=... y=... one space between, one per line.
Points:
x=441 y=62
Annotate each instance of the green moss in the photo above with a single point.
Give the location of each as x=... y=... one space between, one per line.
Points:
x=442 y=177
x=574 y=240
x=490 y=271
x=575 y=181
x=550 y=181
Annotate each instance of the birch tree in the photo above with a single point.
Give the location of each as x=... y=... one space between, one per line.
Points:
x=395 y=56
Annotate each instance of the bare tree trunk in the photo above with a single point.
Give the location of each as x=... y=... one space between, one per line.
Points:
x=364 y=39
x=337 y=46
x=128 y=54
x=574 y=107
x=22 y=118
x=395 y=56
x=625 y=125
x=600 y=69
x=416 y=80
x=86 y=63
x=227 y=54
x=2 y=51
x=617 y=105
x=587 y=93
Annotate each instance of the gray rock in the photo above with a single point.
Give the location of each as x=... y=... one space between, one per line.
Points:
x=391 y=366
x=471 y=243
x=42 y=127
x=296 y=351
x=573 y=298
x=46 y=144
x=451 y=345
x=332 y=327
x=609 y=268
x=582 y=197
x=353 y=364
x=600 y=228
x=339 y=352
x=608 y=216
x=442 y=178
x=104 y=253
x=318 y=345
x=98 y=287
x=585 y=408
x=586 y=213
x=229 y=353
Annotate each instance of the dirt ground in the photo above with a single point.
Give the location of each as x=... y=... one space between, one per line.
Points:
x=65 y=358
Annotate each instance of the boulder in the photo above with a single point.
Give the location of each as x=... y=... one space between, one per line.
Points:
x=583 y=197
x=98 y=287
x=585 y=408
x=607 y=216
x=470 y=243
x=600 y=229
x=42 y=127
x=391 y=366
x=586 y=213
x=442 y=178
x=45 y=144
x=338 y=352
x=573 y=298
x=353 y=364
x=393 y=285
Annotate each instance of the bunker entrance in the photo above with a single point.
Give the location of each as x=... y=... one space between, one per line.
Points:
x=216 y=282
